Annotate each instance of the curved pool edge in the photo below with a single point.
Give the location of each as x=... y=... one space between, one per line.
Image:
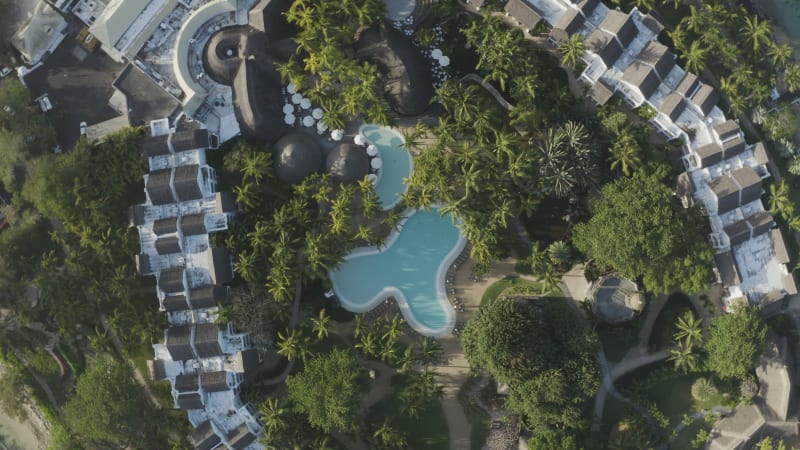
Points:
x=402 y=303
x=380 y=173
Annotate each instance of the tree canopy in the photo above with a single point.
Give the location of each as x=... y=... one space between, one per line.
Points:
x=735 y=341
x=641 y=231
x=107 y=406
x=329 y=390
x=543 y=352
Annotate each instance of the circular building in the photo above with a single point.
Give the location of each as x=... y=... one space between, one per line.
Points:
x=348 y=163
x=616 y=300
x=297 y=156
x=223 y=54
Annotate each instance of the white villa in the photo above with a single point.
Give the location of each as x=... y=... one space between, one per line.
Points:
x=204 y=362
x=724 y=173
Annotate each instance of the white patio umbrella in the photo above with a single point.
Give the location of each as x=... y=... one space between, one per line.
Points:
x=289 y=119
x=376 y=162
x=291 y=88
x=444 y=61
x=305 y=103
x=359 y=139
x=337 y=135
x=436 y=53
x=297 y=98
x=372 y=150
x=372 y=178
x=317 y=113
x=321 y=127
x=308 y=121
x=288 y=109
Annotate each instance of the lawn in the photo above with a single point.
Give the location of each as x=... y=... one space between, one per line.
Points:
x=427 y=432
x=687 y=435
x=496 y=288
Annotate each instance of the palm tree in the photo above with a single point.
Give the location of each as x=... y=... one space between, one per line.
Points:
x=430 y=351
x=245 y=265
x=695 y=57
x=757 y=32
x=678 y=36
x=690 y=330
x=388 y=438
x=272 y=415
x=779 y=201
x=257 y=165
x=625 y=154
x=780 y=54
x=794 y=223
x=368 y=344
x=572 y=50
x=559 y=252
x=320 y=324
x=358 y=326
x=683 y=357
x=246 y=195
x=550 y=281
x=791 y=76
x=406 y=360
x=292 y=344
x=393 y=328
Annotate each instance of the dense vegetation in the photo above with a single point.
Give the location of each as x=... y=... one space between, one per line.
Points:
x=736 y=341
x=640 y=231
x=544 y=353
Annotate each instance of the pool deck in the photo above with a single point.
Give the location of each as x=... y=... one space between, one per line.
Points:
x=392 y=291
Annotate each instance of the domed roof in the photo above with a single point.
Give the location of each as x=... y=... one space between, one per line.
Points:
x=223 y=53
x=297 y=156
x=348 y=162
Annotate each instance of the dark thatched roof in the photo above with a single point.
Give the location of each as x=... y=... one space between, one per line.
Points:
x=186 y=183
x=175 y=303
x=406 y=74
x=193 y=224
x=214 y=381
x=178 y=342
x=207 y=296
x=171 y=280
x=156 y=146
x=257 y=98
x=241 y=437
x=222 y=55
x=268 y=16
x=187 y=383
x=190 y=401
x=726 y=267
x=348 y=162
x=219 y=265
x=165 y=226
x=158 y=187
x=297 y=156
x=168 y=245
x=523 y=13
x=206 y=340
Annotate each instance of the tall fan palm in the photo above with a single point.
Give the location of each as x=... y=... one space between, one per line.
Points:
x=791 y=76
x=780 y=54
x=683 y=357
x=292 y=344
x=321 y=324
x=625 y=154
x=779 y=200
x=695 y=57
x=272 y=415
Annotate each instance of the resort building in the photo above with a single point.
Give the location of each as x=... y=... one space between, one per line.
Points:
x=724 y=174
x=204 y=362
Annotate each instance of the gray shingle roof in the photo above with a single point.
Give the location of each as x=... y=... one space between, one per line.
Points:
x=760 y=222
x=605 y=46
x=658 y=55
x=165 y=226
x=186 y=182
x=776 y=237
x=171 y=280
x=727 y=269
x=175 y=303
x=206 y=340
x=738 y=232
x=673 y=106
x=736 y=188
x=571 y=21
x=203 y=437
x=136 y=215
x=214 y=381
x=727 y=129
x=601 y=92
x=207 y=296
x=709 y=154
x=156 y=369
x=190 y=401
x=621 y=25
x=156 y=146
x=193 y=224
x=643 y=77
x=705 y=98
x=168 y=245
x=733 y=147
x=143 y=266
x=185 y=140
x=178 y=342
x=688 y=84
x=241 y=437
x=158 y=187
x=220 y=266
x=226 y=202
x=523 y=13
x=187 y=383
x=760 y=153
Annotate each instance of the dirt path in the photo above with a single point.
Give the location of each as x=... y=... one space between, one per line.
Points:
x=137 y=375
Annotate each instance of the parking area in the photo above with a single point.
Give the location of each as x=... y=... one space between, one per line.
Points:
x=146 y=100
x=79 y=85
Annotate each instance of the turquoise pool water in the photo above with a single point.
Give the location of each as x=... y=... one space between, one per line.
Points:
x=396 y=163
x=411 y=268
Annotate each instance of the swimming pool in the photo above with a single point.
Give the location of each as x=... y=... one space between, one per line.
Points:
x=396 y=163
x=411 y=268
